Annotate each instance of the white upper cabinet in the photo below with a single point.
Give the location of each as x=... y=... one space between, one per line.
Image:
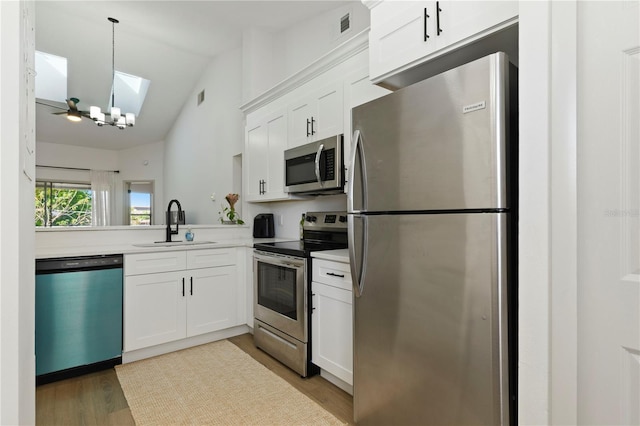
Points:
x=265 y=142
x=407 y=33
x=316 y=115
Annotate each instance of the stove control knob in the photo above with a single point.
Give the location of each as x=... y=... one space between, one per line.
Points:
x=311 y=218
x=343 y=219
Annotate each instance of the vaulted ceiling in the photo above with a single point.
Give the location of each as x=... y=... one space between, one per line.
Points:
x=167 y=42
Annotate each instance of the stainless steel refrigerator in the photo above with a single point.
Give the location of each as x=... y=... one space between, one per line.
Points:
x=432 y=205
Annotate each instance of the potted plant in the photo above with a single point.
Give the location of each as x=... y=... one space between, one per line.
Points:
x=230 y=212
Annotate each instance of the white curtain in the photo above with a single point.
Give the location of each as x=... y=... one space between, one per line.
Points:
x=103 y=185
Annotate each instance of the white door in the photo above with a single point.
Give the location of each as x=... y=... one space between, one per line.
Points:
x=608 y=212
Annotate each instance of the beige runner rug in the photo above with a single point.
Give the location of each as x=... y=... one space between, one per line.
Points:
x=214 y=384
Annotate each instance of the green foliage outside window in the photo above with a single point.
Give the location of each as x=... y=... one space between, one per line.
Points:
x=61 y=204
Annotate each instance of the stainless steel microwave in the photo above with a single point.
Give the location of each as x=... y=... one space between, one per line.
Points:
x=315 y=168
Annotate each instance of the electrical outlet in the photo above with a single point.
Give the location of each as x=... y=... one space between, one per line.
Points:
x=213 y=196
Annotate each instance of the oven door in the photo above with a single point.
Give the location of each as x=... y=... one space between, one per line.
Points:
x=280 y=290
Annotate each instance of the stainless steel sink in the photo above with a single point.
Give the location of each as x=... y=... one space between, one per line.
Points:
x=173 y=243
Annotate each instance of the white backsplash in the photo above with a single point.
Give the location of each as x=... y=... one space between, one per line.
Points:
x=286 y=214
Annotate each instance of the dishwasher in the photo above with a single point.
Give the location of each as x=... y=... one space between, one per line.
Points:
x=78 y=316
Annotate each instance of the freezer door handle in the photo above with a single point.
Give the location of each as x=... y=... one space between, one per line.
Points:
x=358 y=264
x=318 y=154
x=358 y=151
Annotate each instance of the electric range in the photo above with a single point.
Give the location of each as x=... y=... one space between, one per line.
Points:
x=282 y=290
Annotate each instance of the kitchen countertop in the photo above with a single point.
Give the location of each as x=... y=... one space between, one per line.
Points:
x=340 y=255
x=131 y=248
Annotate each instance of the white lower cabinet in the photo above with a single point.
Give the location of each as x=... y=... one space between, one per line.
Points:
x=211 y=301
x=169 y=305
x=332 y=319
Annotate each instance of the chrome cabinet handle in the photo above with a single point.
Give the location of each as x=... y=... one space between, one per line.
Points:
x=313 y=132
x=308 y=122
x=182 y=286
x=320 y=148
x=191 y=287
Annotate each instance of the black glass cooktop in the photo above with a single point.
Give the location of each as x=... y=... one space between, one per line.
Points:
x=300 y=248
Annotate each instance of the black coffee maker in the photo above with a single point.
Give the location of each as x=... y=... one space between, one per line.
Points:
x=263 y=226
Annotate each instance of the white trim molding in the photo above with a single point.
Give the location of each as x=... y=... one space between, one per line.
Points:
x=346 y=50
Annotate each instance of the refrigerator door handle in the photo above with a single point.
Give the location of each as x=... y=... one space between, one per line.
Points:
x=357 y=271
x=320 y=148
x=358 y=150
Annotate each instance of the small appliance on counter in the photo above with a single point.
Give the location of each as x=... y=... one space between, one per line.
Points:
x=263 y=226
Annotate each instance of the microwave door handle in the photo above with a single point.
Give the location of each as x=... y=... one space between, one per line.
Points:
x=320 y=148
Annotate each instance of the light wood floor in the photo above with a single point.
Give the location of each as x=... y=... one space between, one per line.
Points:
x=97 y=398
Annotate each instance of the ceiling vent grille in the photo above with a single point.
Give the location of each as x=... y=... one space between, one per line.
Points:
x=345 y=23
x=200 y=97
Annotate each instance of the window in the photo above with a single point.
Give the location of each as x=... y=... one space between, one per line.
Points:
x=140 y=203
x=63 y=204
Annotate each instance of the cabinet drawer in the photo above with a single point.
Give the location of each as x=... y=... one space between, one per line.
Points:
x=335 y=274
x=210 y=258
x=150 y=263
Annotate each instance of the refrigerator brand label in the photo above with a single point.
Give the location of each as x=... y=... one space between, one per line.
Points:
x=473 y=107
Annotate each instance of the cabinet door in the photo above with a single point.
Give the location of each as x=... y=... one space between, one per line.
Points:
x=212 y=300
x=257 y=150
x=401 y=32
x=332 y=331
x=465 y=20
x=154 y=309
x=328 y=116
x=277 y=140
x=300 y=113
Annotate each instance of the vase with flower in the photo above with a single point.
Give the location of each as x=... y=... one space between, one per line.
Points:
x=230 y=213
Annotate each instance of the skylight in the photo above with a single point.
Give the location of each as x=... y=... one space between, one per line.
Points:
x=51 y=77
x=130 y=92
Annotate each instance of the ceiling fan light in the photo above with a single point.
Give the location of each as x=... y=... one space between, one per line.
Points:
x=73 y=116
x=94 y=112
x=130 y=119
x=115 y=113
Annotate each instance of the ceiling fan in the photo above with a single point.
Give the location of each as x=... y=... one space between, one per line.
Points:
x=73 y=113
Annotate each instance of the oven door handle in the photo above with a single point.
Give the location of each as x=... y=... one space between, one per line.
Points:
x=318 y=154
x=277 y=261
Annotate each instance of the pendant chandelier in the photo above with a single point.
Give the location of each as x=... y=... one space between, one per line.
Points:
x=117 y=119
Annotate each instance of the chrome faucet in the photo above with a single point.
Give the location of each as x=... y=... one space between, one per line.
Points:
x=170 y=231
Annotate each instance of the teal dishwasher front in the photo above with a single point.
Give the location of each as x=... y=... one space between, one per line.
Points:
x=78 y=316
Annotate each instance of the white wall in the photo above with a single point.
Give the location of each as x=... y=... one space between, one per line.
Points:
x=130 y=163
x=200 y=147
x=52 y=154
x=306 y=42
x=142 y=163
x=269 y=58
x=17 y=275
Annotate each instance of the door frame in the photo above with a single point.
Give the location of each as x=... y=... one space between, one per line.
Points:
x=548 y=319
